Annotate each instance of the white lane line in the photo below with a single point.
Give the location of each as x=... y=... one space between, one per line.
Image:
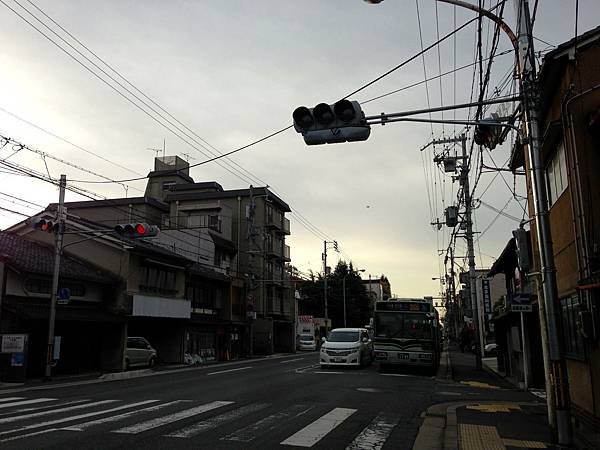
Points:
x=91 y=423
x=27 y=402
x=329 y=372
x=291 y=360
x=216 y=421
x=80 y=416
x=159 y=421
x=314 y=432
x=9 y=399
x=395 y=375
x=268 y=424
x=375 y=434
x=53 y=411
x=230 y=370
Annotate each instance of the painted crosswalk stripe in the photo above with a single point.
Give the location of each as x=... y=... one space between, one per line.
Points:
x=91 y=423
x=53 y=411
x=375 y=434
x=314 y=432
x=27 y=402
x=73 y=418
x=41 y=408
x=267 y=424
x=216 y=421
x=10 y=399
x=159 y=421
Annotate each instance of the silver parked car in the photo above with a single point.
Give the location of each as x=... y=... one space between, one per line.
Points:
x=347 y=347
x=139 y=352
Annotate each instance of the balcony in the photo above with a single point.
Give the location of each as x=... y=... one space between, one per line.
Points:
x=286 y=253
x=273 y=221
x=285 y=227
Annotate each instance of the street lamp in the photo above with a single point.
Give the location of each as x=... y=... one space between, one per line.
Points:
x=344 y=291
x=557 y=378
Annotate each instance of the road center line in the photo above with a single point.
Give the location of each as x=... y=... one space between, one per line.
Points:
x=230 y=370
x=291 y=360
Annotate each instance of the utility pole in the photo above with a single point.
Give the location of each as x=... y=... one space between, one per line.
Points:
x=464 y=180
x=325 y=283
x=557 y=381
x=60 y=218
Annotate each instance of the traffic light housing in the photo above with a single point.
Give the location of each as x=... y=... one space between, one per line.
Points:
x=46 y=225
x=344 y=121
x=488 y=132
x=136 y=230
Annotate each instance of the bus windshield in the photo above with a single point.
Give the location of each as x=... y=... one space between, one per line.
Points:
x=402 y=325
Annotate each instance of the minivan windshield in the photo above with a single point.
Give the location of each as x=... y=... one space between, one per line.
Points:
x=343 y=336
x=306 y=337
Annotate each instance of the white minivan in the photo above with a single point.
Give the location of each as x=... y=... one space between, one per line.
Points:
x=139 y=352
x=347 y=347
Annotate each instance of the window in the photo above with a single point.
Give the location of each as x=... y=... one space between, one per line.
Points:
x=44 y=286
x=167 y=185
x=556 y=175
x=158 y=280
x=202 y=295
x=570 y=308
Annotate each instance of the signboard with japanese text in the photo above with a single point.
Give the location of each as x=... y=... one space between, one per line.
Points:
x=487 y=297
x=13 y=343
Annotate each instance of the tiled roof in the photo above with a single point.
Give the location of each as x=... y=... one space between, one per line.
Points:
x=33 y=257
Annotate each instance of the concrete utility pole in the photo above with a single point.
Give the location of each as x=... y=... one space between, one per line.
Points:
x=325 y=282
x=60 y=218
x=558 y=394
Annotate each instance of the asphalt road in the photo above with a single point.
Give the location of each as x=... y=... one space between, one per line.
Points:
x=271 y=403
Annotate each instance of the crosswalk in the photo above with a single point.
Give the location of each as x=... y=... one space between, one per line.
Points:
x=296 y=425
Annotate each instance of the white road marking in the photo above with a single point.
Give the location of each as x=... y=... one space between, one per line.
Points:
x=22 y=436
x=264 y=426
x=53 y=411
x=8 y=399
x=329 y=372
x=27 y=402
x=395 y=375
x=291 y=360
x=80 y=416
x=91 y=423
x=375 y=434
x=216 y=421
x=230 y=370
x=41 y=408
x=314 y=432
x=154 y=423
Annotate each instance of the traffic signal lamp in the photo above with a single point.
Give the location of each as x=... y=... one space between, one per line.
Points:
x=344 y=121
x=488 y=132
x=136 y=230
x=46 y=225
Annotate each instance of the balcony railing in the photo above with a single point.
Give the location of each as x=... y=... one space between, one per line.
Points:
x=285 y=227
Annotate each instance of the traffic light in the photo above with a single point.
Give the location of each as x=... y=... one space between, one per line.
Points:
x=488 y=132
x=47 y=225
x=136 y=230
x=343 y=121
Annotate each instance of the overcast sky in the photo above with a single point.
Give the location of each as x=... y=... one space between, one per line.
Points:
x=233 y=72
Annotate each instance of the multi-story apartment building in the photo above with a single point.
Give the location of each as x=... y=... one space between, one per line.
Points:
x=248 y=228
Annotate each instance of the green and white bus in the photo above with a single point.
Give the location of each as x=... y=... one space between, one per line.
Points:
x=407 y=332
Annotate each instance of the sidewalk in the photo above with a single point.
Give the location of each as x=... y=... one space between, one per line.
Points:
x=493 y=414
